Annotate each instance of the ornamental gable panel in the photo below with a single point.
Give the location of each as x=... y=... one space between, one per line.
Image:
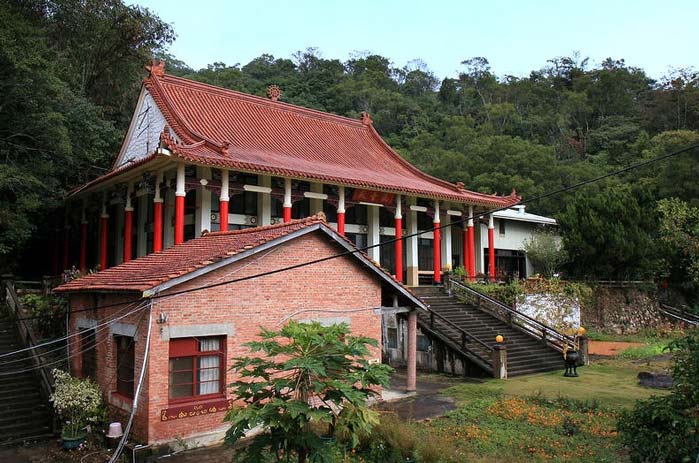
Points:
x=144 y=132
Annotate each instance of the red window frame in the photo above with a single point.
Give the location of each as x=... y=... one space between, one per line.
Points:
x=190 y=348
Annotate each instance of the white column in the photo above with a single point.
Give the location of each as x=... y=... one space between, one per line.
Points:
x=202 y=215
x=446 y=244
x=287 y=193
x=316 y=204
x=224 y=185
x=264 y=201
x=141 y=248
x=411 y=245
x=373 y=232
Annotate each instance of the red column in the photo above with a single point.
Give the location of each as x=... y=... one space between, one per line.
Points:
x=179 y=219
x=287 y=214
x=437 y=244
x=157 y=225
x=128 y=233
x=491 y=253
x=104 y=236
x=341 y=223
x=471 y=252
x=399 y=249
x=83 y=246
x=223 y=213
x=411 y=381
x=66 y=248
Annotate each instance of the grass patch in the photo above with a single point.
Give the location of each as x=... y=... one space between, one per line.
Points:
x=645 y=351
x=611 y=383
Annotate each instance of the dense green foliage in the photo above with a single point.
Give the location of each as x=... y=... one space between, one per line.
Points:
x=303 y=376
x=666 y=429
x=545 y=252
x=70 y=71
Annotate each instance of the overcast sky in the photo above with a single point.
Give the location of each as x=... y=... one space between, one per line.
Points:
x=515 y=36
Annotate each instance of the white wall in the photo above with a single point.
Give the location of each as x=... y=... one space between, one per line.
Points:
x=144 y=132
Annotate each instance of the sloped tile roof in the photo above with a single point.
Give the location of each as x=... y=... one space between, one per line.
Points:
x=229 y=129
x=152 y=270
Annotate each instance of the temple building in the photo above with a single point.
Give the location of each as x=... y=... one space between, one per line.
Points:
x=200 y=158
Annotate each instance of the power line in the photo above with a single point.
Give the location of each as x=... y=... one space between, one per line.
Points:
x=101 y=326
x=419 y=233
x=53 y=341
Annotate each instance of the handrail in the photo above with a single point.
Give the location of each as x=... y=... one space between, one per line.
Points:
x=463 y=331
x=547 y=332
x=25 y=332
x=679 y=314
x=465 y=338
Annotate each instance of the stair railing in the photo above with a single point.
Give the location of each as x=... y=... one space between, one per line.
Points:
x=515 y=318
x=27 y=335
x=679 y=314
x=466 y=337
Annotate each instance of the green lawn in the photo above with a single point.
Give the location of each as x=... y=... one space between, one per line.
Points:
x=611 y=383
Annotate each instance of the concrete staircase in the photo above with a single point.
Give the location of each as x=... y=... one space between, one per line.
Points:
x=25 y=416
x=471 y=331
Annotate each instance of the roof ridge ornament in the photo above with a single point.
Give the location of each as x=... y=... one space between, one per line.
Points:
x=274 y=92
x=366 y=118
x=460 y=186
x=156 y=68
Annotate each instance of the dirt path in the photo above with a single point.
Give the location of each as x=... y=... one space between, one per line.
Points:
x=610 y=348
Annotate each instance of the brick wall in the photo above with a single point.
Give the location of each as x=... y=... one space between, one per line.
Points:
x=336 y=285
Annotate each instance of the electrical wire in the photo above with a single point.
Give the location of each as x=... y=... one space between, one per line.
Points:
x=53 y=341
x=137 y=395
x=98 y=328
x=70 y=356
x=419 y=233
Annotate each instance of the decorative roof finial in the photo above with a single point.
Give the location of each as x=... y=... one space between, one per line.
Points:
x=460 y=186
x=366 y=118
x=274 y=92
x=156 y=68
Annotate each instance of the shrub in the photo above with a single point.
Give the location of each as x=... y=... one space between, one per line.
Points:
x=305 y=374
x=666 y=429
x=77 y=401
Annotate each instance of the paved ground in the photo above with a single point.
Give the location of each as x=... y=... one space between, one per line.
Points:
x=426 y=403
x=610 y=348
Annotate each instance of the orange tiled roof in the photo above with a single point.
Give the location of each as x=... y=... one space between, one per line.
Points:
x=149 y=271
x=229 y=129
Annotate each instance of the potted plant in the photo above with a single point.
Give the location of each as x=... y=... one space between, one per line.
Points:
x=78 y=403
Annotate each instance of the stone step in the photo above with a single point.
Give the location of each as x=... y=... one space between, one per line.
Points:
x=527 y=354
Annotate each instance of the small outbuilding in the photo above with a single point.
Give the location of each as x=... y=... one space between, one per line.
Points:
x=185 y=311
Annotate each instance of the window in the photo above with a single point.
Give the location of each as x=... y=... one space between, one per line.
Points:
x=125 y=365
x=501 y=226
x=423 y=343
x=392 y=338
x=196 y=367
x=89 y=358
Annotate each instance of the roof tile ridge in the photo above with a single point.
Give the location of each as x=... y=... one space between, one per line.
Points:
x=317 y=218
x=176 y=119
x=400 y=158
x=265 y=101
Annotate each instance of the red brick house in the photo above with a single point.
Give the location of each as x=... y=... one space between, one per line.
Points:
x=194 y=334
